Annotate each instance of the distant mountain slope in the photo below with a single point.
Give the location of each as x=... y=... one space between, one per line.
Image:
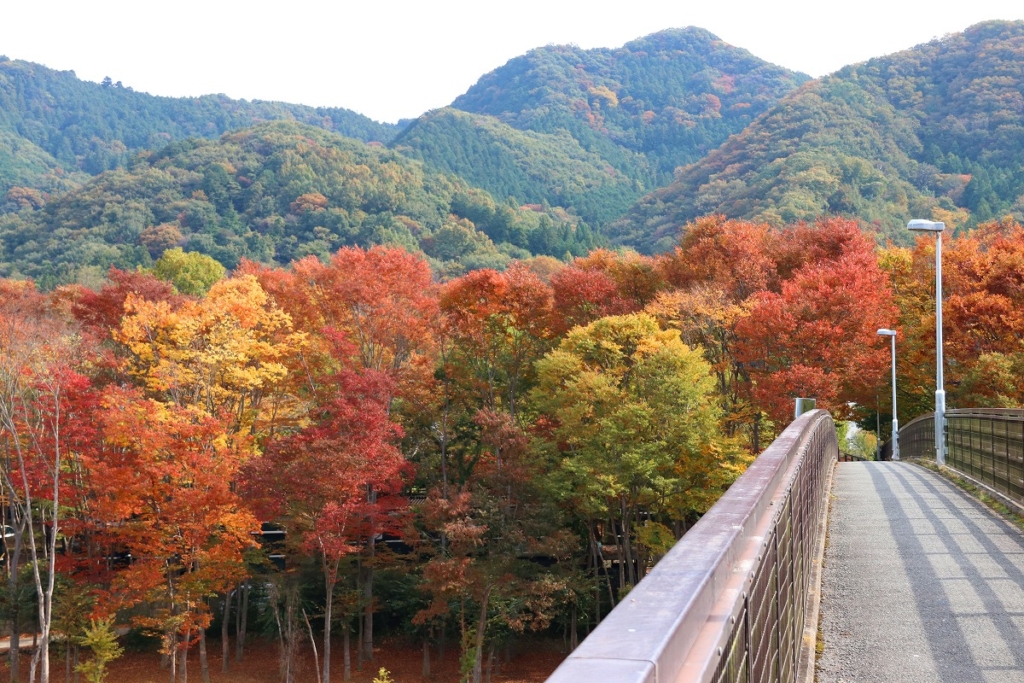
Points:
x=937 y=127
x=272 y=193
x=527 y=165
x=96 y=127
x=672 y=96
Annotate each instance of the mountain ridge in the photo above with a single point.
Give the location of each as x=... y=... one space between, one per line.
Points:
x=937 y=127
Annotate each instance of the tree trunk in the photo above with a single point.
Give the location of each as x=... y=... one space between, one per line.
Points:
x=330 y=580
x=292 y=637
x=348 y=652
x=359 y=620
x=13 y=562
x=312 y=642
x=368 y=597
x=204 y=663
x=172 y=638
x=426 y=657
x=275 y=605
x=33 y=666
x=225 y=644
x=490 y=662
x=481 y=629
x=243 y=621
x=627 y=544
x=757 y=432
x=183 y=669
x=574 y=637
x=15 y=644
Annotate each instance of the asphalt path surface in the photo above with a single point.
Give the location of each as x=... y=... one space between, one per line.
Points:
x=921 y=582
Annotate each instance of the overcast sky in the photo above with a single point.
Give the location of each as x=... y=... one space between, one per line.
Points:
x=392 y=60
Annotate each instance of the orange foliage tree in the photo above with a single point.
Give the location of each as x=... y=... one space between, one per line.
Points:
x=817 y=336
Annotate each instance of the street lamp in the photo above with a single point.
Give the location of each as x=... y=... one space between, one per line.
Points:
x=895 y=423
x=919 y=225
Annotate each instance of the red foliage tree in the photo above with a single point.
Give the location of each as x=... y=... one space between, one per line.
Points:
x=335 y=483
x=817 y=336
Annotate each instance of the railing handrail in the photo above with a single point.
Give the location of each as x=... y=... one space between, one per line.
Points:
x=1011 y=414
x=919 y=418
x=702 y=583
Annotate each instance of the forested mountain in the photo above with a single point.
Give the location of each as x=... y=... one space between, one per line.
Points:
x=530 y=166
x=672 y=96
x=592 y=130
x=53 y=124
x=271 y=193
x=542 y=156
x=934 y=130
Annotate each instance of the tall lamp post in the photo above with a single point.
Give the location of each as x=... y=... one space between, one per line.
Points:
x=919 y=225
x=884 y=332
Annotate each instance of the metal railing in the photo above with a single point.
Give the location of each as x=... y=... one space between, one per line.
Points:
x=727 y=603
x=917 y=438
x=985 y=444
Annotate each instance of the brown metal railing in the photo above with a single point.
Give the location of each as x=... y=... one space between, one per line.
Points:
x=917 y=438
x=726 y=604
x=986 y=444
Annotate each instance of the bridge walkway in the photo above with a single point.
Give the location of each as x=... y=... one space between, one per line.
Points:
x=921 y=582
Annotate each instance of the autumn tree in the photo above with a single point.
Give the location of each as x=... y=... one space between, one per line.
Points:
x=637 y=278
x=504 y=556
x=46 y=422
x=222 y=362
x=334 y=484
x=500 y=323
x=631 y=413
x=714 y=273
x=190 y=272
x=817 y=336
x=164 y=486
x=984 y=324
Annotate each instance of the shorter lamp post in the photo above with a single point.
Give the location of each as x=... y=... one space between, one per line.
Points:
x=884 y=332
x=919 y=225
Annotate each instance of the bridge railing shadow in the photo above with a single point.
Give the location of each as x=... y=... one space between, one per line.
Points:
x=728 y=602
x=955 y=562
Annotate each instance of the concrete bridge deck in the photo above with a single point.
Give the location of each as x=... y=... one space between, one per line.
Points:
x=921 y=582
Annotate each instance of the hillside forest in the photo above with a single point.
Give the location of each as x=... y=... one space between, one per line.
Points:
x=352 y=443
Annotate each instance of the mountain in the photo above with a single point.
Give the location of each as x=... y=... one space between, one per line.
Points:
x=672 y=96
x=934 y=130
x=536 y=167
x=54 y=125
x=592 y=130
x=272 y=193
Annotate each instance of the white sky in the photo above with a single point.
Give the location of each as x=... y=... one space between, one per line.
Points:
x=397 y=59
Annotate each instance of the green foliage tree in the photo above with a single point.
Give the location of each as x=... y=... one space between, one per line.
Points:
x=190 y=272
x=635 y=424
x=101 y=638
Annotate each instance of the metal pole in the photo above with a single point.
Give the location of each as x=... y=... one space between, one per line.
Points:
x=878 y=427
x=895 y=422
x=940 y=393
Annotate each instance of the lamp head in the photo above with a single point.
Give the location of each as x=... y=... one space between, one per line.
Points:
x=885 y=332
x=921 y=225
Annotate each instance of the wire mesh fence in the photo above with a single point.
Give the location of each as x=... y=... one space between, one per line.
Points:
x=986 y=444
x=727 y=604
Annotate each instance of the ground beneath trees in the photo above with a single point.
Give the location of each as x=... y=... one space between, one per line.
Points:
x=532 y=662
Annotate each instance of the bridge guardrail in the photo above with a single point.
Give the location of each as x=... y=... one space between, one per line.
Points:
x=985 y=444
x=727 y=603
